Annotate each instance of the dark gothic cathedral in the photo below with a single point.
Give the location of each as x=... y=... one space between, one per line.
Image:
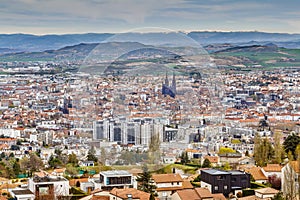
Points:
x=169 y=89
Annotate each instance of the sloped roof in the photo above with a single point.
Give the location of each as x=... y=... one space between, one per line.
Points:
x=267 y=190
x=256 y=173
x=186 y=184
x=136 y=194
x=188 y=194
x=272 y=168
x=166 y=178
x=203 y=193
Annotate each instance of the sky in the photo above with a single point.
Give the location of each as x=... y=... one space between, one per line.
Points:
x=85 y=16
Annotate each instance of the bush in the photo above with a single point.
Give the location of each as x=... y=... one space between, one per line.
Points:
x=248 y=192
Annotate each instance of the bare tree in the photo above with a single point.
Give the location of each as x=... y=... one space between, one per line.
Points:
x=289 y=182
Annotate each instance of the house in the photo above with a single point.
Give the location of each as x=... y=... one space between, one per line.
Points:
x=197 y=194
x=230 y=158
x=129 y=193
x=214 y=160
x=115 y=179
x=257 y=174
x=167 y=184
x=86 y=163
x=218 y=181
x=265 y=193
x=22 y=194
x=50 y=186
x=59 y=171
x=272 y=169
x=289 y=180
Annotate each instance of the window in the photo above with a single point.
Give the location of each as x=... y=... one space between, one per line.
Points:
x=216 y=187
x=225 y=187
x=177 y=183
x=172 y=183
x=164 y=194
x=220 y=177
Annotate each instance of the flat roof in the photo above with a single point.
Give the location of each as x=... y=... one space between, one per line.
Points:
x=214 y=171
x=116 y=173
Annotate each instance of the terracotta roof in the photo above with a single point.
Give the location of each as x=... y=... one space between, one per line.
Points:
x=168 y=188
x=186 y=184
x=188 y=194
x=256 y=173
x=219 y=196
x=295 y=166
x=94 y=197
x=136 y=194
x=212 y=159
x=203 y=193
x=166 y=178
x=272 y=168
x=267 y=191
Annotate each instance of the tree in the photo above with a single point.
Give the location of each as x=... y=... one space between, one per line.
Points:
x=206 y=163
x=278 y=148
x=184 y=158
x=154 y=154
x=31 y=164
x=278 y=196
x=288 y=182
x=224 y=150
x=54 y=162
x=263 y=151
x=145 y=182
x=290 y=144
x=91 y=155
x=72 y=159
x=275 y=181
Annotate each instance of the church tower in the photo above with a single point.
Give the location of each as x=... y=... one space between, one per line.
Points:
x=174 y=83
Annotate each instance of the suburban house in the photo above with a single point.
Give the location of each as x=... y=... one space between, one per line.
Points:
x=50 y=186
x=257 y=174
x=167 y=184
x=218 y=181
x=230 y=158
x=129 y=193
x=197 y=193
x=265 y=193
x=115 y=179
x=272 y=169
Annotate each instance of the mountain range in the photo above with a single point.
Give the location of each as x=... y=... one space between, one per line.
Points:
x=10 y=43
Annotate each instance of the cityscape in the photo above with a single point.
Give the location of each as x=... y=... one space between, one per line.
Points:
x=171 y=113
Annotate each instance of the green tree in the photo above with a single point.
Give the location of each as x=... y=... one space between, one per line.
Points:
x=91 y=155
x=206 y=163
x=72 y=159
x=184 y=158
x=290 y=144
x=145 y=182
x=54 y=162
x=224 y=150
x=263 y=151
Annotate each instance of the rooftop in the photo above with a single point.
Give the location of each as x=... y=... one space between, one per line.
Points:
x=116 y=173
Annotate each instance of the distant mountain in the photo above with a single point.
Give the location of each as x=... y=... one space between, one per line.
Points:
x=79 y=52
x=31 y=43
x=253 y=48
x=205 y=38
x=34 y=43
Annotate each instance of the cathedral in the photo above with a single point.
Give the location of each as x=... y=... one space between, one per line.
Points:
x=169 y=89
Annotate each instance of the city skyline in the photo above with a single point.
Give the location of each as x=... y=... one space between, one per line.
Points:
x=59 y=17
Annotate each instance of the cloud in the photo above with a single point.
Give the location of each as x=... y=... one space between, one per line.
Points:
x=108 y=15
